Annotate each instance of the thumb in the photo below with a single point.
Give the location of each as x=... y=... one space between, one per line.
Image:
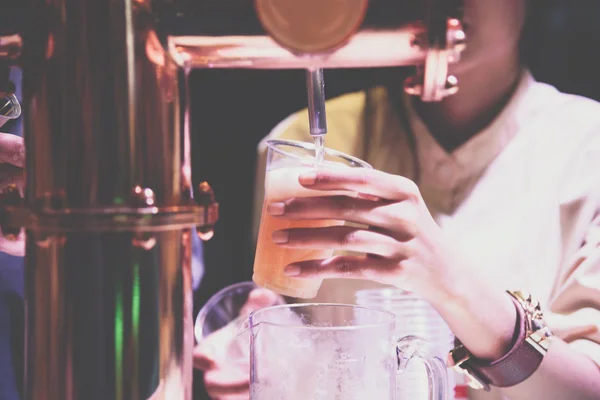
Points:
x=202 y=359
x=12 y=149
x=257 y=299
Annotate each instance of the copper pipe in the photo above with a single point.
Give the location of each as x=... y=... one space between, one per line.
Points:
x=369 y=48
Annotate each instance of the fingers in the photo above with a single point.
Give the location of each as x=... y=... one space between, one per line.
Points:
x=365 y=267
x=207 y=355
x=345 y=238
x=202 y=359
x=257 y=299
x=367 y=182
x=571 y=335
x=12 y=150
x=239 y=396
x=220 y=385
x=11 y=176
x=13 y=247
x=228 y=382
x=216 y=388
x=400 y=218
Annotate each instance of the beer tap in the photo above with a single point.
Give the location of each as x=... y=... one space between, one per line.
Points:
x=315 y=88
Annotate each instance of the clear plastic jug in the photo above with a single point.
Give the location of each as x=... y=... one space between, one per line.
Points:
x=332 y=352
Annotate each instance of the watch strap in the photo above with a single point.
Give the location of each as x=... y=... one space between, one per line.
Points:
x=521 y=361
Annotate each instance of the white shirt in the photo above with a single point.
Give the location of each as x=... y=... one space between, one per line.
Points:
x=521 y=198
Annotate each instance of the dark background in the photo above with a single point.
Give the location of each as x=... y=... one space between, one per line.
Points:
x=232 y=110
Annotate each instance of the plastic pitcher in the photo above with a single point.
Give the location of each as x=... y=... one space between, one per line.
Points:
x=333 y=352
x=414 y=316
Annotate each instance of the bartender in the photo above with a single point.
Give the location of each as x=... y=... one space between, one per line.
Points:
x=493 y=189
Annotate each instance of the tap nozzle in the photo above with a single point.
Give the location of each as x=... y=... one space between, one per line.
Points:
x=315 y=87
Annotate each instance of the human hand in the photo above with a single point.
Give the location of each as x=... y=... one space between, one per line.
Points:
x=403 y=245
x=224 y=378
x=12 y=160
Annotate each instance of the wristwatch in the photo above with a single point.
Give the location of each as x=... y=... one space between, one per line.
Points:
x=530 y=345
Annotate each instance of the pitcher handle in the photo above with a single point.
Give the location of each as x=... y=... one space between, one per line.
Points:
x=410 y=347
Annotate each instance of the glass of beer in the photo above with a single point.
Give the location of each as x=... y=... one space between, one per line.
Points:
x=286 y=160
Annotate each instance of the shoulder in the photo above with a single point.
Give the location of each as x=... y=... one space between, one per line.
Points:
x=566 y=128
x=566 y=118
x=556 y=126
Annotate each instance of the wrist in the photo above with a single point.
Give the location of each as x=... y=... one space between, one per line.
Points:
x=530 y=343
x=483 y=319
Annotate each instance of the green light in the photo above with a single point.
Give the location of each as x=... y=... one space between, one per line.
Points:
x=135 y=323
x=135 y=303
x=119 y=338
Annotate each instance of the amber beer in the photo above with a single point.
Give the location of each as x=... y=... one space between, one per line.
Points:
x=287 y=160
x=270 y=258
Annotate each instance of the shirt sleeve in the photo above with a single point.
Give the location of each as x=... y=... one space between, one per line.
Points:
x=575 y=306
x=575 y=311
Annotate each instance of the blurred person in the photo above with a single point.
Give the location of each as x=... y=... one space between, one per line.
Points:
x=11 y=278
x=495 y=188
x=12 y=161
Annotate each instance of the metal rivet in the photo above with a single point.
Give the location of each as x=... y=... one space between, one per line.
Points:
x=206 y=198
x=144 y=240
x=142 y=197
x=413 y=86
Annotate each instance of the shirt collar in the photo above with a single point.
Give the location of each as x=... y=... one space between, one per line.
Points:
x=447 y=178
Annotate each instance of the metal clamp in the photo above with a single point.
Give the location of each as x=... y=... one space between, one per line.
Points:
x=432 y=82
x=141 y=215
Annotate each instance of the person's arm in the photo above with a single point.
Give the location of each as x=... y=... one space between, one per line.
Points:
x=406 y=248
x=484 y=320
x=574 y=318
x=12 y=161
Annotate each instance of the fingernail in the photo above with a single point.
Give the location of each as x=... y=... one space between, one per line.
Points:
x=280 y=237
x=308 y=178
x=292 y=270
x=276 y=208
